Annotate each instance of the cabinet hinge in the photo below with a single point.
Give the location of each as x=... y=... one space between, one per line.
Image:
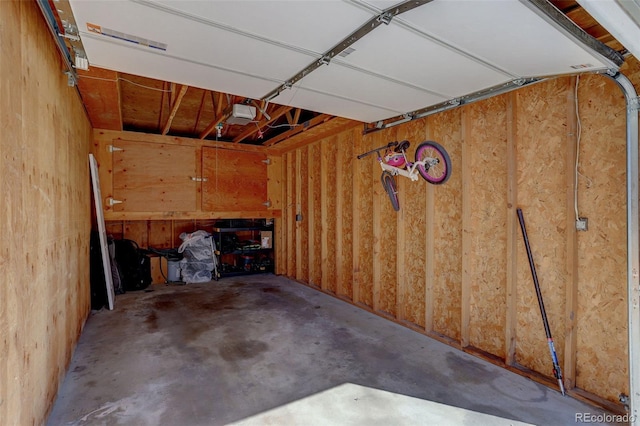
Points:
x=267 y=161
x=112 y=148
x=199 y=179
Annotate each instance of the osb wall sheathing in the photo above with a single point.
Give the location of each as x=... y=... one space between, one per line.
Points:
x=541 y=183
x=484 y=173
x=602 y=256
x=445 y=296
x=45 y=219
x=452 y=263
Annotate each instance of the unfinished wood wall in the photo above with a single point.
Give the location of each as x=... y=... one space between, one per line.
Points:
x=452 y=263
x=45 y=219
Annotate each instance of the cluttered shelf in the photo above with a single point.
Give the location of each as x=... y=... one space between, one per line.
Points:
x=244 y=249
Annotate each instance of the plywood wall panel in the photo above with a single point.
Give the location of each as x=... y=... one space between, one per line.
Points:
x=137 y=231
x=275 y=182
x=160 y=234
x=344 y=213
x=45 y=221
x=385 y=229
x=363 y=223
x=602 y=349
x=541 y=130
x=487 y=143
x=413 y=249
x=315 y=214
x=115 y=229
x=236 y=181
x=328 y=149
x=180 y=226
x=447 y=227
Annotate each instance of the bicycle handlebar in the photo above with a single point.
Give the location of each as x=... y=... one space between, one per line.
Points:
x=389 y=145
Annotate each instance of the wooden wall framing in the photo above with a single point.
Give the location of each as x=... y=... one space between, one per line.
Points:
x=451 y=263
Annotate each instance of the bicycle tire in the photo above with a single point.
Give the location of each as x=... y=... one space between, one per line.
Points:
x=389 y=184
x=436 y=174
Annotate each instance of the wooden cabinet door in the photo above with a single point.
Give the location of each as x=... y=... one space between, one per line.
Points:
x=235 y=180
x=152 y=177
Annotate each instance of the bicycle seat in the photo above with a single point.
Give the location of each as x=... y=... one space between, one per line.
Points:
x=402 y=146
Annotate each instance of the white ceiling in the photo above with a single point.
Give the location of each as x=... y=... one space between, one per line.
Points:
x=431 y=54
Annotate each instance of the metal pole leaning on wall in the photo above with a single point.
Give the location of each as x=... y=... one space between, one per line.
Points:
x=554 y=357
x=633 y=250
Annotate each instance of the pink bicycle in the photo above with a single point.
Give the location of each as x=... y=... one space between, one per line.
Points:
x=432 y=163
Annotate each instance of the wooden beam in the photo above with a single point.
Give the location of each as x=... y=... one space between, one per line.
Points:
x=299 y=129
x=174 y=109
x=204 y=96
x=293 y=119
x=261 y=107
x=296 y=116
x=218 y=103
x=219 y=119
x=251 y=129
x=162 y=98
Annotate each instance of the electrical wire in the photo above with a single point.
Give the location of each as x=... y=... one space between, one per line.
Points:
x=126 y=80
x=578 y=138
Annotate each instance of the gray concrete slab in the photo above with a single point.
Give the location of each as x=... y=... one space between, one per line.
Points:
x=263 y=349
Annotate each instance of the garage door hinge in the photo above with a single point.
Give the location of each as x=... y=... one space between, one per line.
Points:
x=112 y=148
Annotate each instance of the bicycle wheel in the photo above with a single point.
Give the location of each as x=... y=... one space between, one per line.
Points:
x=389 y=184
x=437 y=168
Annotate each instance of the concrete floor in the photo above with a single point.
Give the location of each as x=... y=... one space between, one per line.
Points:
x=262 y=349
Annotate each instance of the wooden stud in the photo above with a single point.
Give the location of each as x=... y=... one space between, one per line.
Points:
x=338 y=235
x=303 y=243
x=571 y=302
x=291 y=214
x=315 y=214
x=402 y=228
x=467 y=273
x=298 y=210
x=511 y=319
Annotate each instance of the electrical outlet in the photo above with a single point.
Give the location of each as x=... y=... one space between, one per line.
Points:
x=582 y=224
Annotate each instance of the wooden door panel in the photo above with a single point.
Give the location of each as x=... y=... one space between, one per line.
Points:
x=152 y=177
x=235 y=180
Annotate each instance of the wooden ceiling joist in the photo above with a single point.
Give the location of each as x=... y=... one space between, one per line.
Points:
x=174 y=109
